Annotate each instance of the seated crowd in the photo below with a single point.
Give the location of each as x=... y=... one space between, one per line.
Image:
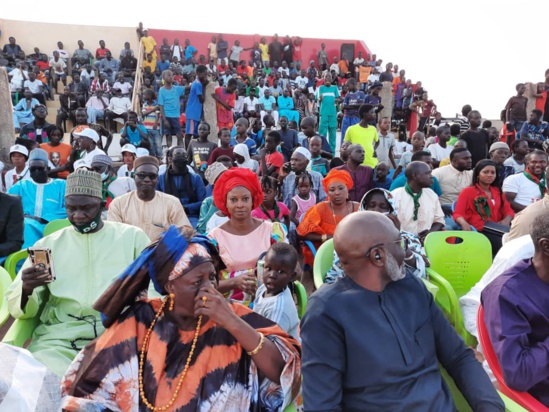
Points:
x=196 y=251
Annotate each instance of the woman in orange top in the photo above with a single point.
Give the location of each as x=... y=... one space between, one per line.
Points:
x=320 y=221
x=58 y=152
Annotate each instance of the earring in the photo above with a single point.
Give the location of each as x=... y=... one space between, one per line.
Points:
x=172 y=300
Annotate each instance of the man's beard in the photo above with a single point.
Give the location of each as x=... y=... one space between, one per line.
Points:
x=394 y=271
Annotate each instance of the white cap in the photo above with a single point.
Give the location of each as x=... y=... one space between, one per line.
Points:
x=130 y=148
x=89 y=133
x=141 y=151
x=19 y=148
x=80 y=163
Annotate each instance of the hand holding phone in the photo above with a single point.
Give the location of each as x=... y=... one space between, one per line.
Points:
x=42 y=265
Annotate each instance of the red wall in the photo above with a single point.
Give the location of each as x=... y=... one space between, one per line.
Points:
x=200 y=40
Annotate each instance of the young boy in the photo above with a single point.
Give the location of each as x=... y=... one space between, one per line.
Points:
x=520 y=150
x=455 y=131
x=168 y=101
x=19 y=155
x=271 y=159
x=200 y=149
x=384 y=148
x=225 y=149
x=442 y=149
x=418 y=143
x=129 y=153
x=151 y=120
x=477 y=138
x=193 y=111
x=318 y=163
x=381 y=180
x=242 y=136
x=273 y=298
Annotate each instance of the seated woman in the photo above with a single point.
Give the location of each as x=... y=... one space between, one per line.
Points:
x=205 y=347
x=381 y=200
x=320 y=221
x=483 y=201
x=242 y=238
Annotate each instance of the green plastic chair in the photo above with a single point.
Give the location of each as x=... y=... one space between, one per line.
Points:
x=56 y=225
x=455 y=269
x=301 y=295
x=323 y=262
x=12 y=260
x=5 y=282
x=21 y=331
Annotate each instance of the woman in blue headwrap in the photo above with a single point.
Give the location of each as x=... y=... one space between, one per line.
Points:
x=193 y=350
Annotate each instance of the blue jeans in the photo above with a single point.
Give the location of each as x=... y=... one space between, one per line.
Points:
x=155 y=138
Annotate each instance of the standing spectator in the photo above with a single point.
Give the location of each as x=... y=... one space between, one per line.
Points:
x=386 y=144
x=287 y=50
x=463 y=120
x=387 y=75
x=170 y=108
x=428 y=107
x=234 y=57
x=275 y=51
x=151 y=122
x=264 y=47
x=225 y=99
x=149 y=44
x=515 y=109
x=193 y=112
x=327 y=96
x=351 y=103
x=190 y=51
x=298 y=45
x=222 y=47
x=212 y=50
x=477 y=139
x=364 y=134
x=362 y=175
x=176 y=51
x=322 y=57
x=535 y=131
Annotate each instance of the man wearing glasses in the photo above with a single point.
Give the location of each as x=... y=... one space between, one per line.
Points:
x=147 y=208
x=373 y=340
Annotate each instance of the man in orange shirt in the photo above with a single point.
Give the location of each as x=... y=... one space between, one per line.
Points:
x=397 y=80
x=343 y=65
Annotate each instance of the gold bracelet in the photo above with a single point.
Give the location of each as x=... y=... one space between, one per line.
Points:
x=259 y=346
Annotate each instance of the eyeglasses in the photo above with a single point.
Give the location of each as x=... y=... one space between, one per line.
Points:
x=143 y=176
x=99 y=169
x=404 y=243
x=36 y=169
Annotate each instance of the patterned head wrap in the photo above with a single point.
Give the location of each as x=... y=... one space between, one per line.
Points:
x=388 y=196
x=232 y=178
x=337 y=176
x=175 y=254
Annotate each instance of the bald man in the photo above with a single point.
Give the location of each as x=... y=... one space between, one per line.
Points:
x=419 y=209
x=364 y=349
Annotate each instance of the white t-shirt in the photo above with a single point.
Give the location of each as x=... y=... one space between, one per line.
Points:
x=439 y=153
x=123 y=171
x=121 y=186
x=58 y=66
x=10 y=175
x=527 y=191
x=251 y=104
x=373 y=78
x=301 y=82
x=88 y=157
x=280 y=309
x=512 y=162
x=401 y=148
x=384 y=147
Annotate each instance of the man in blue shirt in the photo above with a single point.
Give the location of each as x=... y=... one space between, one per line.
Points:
x=190 y=51
x=421 y=156
x=195 y=103
x=22 y=112
x=170 y=108
x=179 y=182
x=373 y=340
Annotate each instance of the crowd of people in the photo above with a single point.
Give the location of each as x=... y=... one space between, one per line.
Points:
x=195 y=249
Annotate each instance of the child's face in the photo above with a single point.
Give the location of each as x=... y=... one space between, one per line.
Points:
x=240 y=127
x=18 y=159
x=277 y=274
x=385 y=124
x=418 y=142
x=270 y=144
x=315 y=146
x=382 y=170
x=225 y=137
x=304 y=188
x=128 y=158
x=445 y=135
x=269 y=195
x=203 y=131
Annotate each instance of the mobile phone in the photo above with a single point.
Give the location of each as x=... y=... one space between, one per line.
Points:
x=41 y=256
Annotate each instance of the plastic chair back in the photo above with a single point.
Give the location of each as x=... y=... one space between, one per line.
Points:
x=461 y=264
x=56 y=225
x=522 y=398
x=12 y=260
x=301 y=295
x=5 y=282
x=21 y=331
x=324 y=259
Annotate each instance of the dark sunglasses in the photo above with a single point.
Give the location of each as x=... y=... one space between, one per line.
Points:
x=143 y=175
x=36 y=169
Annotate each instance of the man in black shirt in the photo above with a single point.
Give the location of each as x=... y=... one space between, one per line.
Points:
x=275 y=50
x=11 y=224
x=477 y=139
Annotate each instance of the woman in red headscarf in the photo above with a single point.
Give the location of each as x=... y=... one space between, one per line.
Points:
x=243 y=238
x=320 y=221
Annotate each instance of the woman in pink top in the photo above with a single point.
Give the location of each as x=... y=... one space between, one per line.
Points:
x=243 y=238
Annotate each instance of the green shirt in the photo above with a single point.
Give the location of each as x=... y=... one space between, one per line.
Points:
x=328 y=104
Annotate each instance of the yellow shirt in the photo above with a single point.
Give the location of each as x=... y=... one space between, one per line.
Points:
x=366 y=137
x=152 y=65
x=264 y=51
x=148 y=44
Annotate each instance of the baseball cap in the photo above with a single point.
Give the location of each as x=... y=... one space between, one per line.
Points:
x=89 y=133
x=141 y=151
x=130 y=148
x=19 y=148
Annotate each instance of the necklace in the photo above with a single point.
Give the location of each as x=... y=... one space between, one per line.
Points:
x=142 y=363
x=333 y=212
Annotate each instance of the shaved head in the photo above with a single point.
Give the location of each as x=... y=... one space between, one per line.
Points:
x=365 y=258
